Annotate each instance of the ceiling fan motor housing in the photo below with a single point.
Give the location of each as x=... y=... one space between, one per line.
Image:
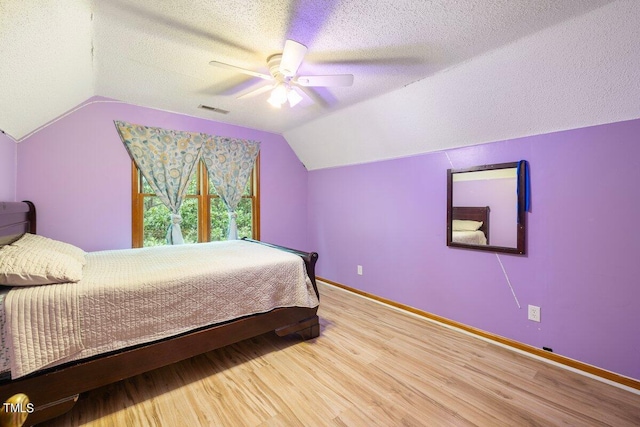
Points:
x=273 y=62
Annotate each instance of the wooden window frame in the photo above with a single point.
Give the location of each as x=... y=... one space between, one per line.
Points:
x=204 y=204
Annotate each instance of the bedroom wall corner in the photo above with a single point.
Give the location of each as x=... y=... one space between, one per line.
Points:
x=8 y=152
x=78 y=173
x=283 y=195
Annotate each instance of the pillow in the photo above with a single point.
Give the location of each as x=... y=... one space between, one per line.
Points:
x=37 y=264
x=34 y=241
x=466 y=225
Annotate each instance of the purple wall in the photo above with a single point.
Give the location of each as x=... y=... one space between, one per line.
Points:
x=78 y=173
x=7 y=168
x=581 y=265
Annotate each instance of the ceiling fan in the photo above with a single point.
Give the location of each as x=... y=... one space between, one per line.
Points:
x=287 y=85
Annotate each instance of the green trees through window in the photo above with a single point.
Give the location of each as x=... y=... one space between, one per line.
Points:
x=204 y=215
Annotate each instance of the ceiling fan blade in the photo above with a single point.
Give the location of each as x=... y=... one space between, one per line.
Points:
x=313 y=96
x=240 y=70
x=325 y=81
x=255 y=92
x=292 y=57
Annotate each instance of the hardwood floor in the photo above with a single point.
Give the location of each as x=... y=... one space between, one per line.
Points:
x=371 y=366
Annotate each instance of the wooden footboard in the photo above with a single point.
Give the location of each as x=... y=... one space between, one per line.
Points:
x=54 y=391
x=310 y=259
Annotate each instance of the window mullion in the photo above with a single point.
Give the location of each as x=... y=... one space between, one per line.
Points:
x=255 y=199
x=204 y=223
x=137 y=215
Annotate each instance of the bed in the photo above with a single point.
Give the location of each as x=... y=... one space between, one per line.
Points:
x=56 y=378
x=470 y=225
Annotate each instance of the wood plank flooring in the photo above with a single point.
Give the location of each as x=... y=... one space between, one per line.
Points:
x=371 y=366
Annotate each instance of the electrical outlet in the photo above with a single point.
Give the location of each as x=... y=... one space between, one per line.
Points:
x=534 y=313
x=359 y=270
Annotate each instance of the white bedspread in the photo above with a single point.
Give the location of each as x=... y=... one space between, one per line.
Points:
x=129 y=297
x=469 y=237
x=5 y=364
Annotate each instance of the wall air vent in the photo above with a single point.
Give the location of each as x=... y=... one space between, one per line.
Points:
x=214 y=109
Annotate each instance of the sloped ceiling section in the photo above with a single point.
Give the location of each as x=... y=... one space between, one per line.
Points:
x=582 y=72
x=429 y=75
x=45 y=61
x=157 y=53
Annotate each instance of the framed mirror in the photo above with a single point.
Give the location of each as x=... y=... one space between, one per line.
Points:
x=486 y=207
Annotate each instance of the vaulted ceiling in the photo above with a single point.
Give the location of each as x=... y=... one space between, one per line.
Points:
x=54 y=54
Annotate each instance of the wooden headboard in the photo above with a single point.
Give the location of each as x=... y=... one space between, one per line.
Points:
x=474 y=213
x=16 y=218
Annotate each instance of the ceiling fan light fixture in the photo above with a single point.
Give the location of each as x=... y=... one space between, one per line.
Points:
x=279 y=95
x=294 y=98
x=273 y=102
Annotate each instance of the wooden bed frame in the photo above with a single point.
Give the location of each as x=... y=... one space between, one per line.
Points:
x=54 y=391
x=474 y=213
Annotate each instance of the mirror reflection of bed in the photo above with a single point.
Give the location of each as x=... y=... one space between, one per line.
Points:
x=470 y=225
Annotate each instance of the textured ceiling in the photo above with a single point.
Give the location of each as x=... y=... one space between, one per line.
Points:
x=582 y=72
x=45 y=61
x=57 y=53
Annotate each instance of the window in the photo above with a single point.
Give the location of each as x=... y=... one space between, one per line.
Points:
x=204 y=216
